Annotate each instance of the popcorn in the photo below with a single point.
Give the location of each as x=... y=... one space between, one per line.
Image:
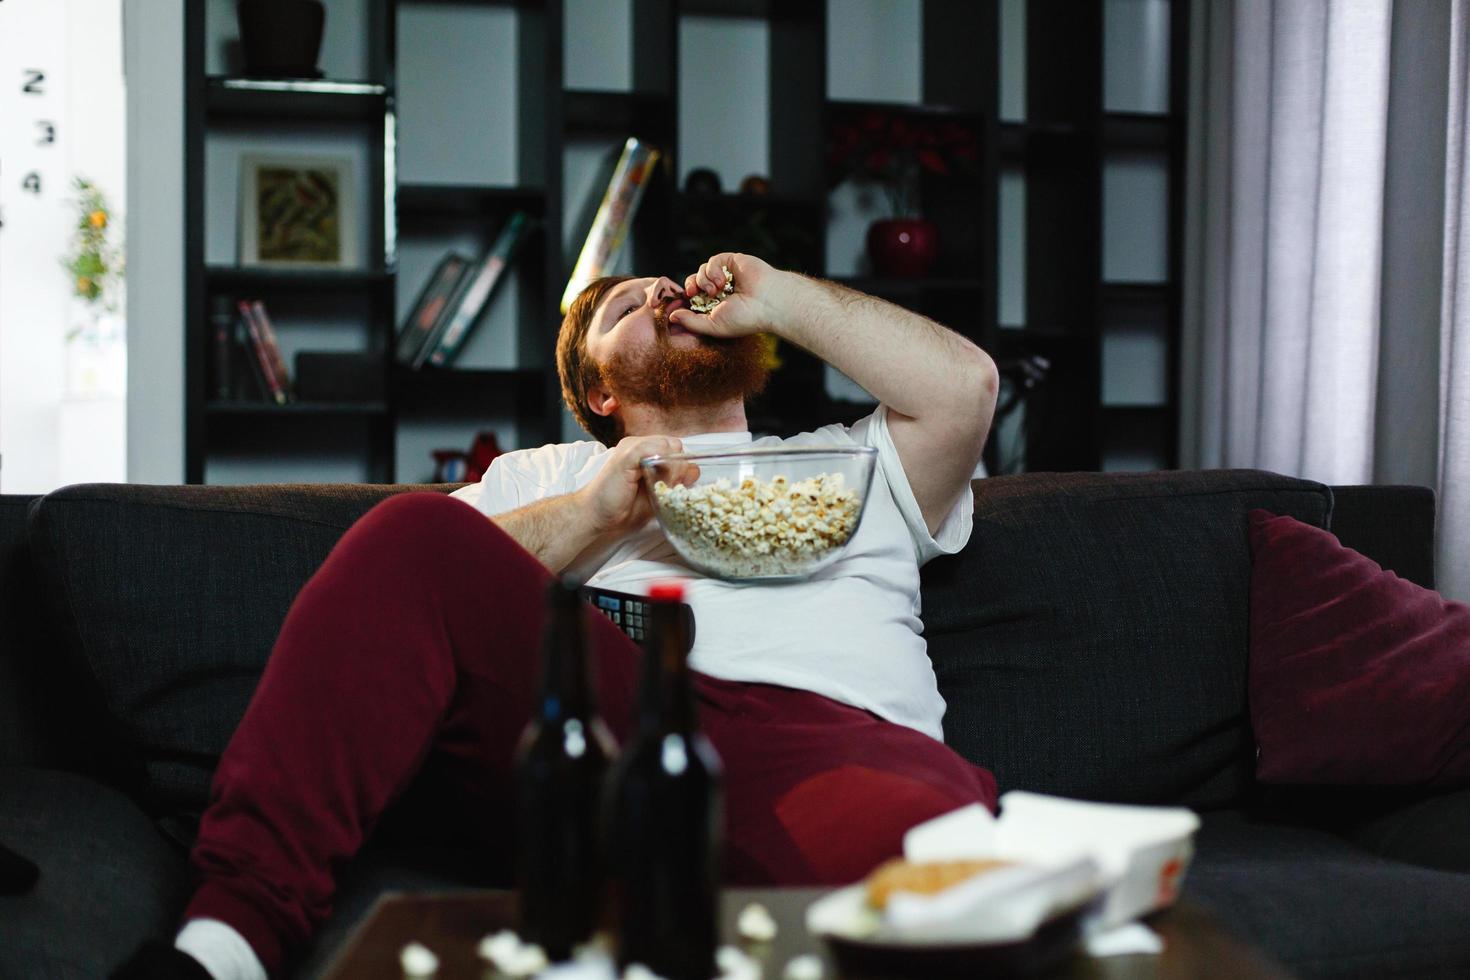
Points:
x=804 y=967
x=509 y=955
x=637 y=971
x=755 y=924
x=700 y=303
x=418 y=960
x=735 y=965
x=760 y=528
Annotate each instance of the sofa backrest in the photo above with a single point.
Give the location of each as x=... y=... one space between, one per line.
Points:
x=169 y=600
x=1091 y=640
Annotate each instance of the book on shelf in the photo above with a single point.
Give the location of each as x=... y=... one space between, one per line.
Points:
x=222 y=322
x=418 y=327
x=467 y=306
x=266 y=356
x=614 y=216
x=250 y=380
x=273 y=349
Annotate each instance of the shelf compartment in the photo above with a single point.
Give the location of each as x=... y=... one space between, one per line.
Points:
x=442 y=201
x=226 y=97
x=220 y=279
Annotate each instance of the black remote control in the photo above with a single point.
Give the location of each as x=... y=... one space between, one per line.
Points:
x=629 y=612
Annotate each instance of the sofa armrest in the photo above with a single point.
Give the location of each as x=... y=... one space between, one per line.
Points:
x=1392 y=525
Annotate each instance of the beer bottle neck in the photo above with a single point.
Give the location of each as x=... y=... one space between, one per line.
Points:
x=566 y=689
x=668 y=692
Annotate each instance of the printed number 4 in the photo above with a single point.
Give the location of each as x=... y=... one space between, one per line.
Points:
x=32 y=182
x=33 y=86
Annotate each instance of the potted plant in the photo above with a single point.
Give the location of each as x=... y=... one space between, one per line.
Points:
x=95 y=347
x=896 y=150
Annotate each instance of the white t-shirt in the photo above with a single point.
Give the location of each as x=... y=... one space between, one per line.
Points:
x=850 y=633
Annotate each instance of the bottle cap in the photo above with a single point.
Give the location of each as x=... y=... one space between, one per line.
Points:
x=667 y=592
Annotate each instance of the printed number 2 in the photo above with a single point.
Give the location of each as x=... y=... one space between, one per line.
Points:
x=48 y=132
x=33 y=86
x=32 y=182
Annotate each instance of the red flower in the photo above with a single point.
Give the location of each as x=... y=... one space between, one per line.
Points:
x=933 y=162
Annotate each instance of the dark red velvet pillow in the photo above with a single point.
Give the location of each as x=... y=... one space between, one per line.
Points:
x=1357 y=677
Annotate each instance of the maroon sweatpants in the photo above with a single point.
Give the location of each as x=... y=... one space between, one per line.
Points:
x=417 y=642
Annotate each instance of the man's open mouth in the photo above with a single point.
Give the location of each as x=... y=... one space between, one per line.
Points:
x=662 y=316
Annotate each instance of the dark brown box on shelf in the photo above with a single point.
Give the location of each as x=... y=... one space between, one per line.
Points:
x=338 y=376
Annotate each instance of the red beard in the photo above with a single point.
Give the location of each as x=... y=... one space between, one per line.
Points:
x=667 y=377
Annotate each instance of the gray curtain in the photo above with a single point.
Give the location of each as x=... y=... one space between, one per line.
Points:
x=1327 y=248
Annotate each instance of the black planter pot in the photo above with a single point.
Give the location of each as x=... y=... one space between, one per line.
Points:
x=281 y=38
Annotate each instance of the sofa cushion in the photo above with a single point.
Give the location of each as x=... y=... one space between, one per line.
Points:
x=1357 y=677
x=169 y=600
x=1433 y=832
x=1091 y=640
x=1327 y=908
x=108 y=878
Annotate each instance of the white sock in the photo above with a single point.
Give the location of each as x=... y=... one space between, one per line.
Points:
x=223 y=951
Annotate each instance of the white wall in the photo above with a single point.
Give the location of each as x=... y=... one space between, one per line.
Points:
x=47 y=438
x=153 y=34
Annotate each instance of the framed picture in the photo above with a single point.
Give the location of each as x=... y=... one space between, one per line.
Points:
x=297 y=211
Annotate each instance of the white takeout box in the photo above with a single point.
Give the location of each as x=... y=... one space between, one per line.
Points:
x=1141 y=852
x=1070 y=853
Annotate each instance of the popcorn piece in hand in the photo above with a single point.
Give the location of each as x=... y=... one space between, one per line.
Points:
x=804 y=967
x=755 y=924
x=700 y=303
x=418 y=960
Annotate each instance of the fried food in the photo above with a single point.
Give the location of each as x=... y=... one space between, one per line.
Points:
x=925 y=878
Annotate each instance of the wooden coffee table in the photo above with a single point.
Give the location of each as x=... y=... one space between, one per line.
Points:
x=452 y=925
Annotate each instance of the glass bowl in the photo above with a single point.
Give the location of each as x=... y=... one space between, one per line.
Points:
x=760 y=515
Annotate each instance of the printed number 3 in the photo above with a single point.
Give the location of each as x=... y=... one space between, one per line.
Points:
x=48 y=132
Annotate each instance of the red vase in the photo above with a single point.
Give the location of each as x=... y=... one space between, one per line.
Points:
x=903 y=247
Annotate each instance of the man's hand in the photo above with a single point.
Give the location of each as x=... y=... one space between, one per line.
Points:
x=615 y=501
x=754 y=307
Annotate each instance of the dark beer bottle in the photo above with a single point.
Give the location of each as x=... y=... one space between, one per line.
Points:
x=666 y=815
x=561 y=767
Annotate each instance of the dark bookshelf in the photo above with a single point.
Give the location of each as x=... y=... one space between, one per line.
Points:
x=1060 y=150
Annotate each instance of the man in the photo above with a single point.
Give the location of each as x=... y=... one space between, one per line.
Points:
x=413 y=649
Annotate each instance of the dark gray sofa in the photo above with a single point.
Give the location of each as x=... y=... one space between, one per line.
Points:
x=1091 y=641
